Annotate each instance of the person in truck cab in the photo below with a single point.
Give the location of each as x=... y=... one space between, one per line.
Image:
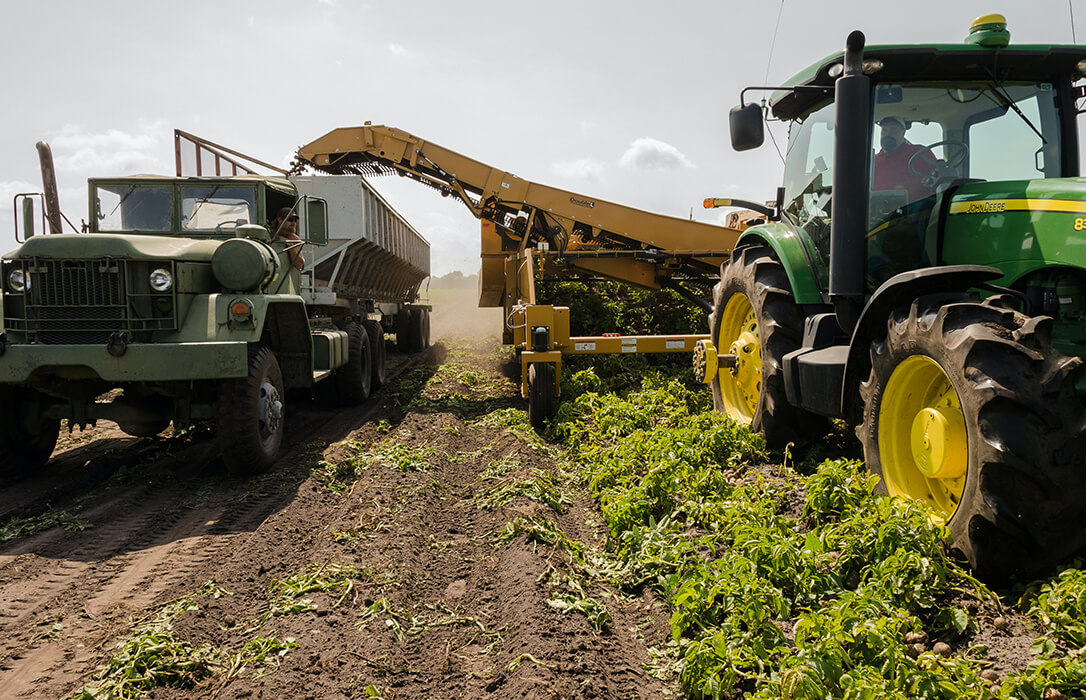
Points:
x=284 y=227
x=892 y=169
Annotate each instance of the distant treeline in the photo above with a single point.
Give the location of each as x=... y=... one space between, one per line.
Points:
x=454 y=280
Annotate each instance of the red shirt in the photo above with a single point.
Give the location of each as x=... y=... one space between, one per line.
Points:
x=892 y=170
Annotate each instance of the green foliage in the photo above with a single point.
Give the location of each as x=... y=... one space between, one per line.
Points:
x=20 y=527
x=1060 y=607
x=402 y=457
x=540 y=488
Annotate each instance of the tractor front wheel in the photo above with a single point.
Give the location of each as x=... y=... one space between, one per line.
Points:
x=756 y=319
x=970 y=410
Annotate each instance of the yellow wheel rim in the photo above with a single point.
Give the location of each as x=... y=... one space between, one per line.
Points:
x=741 y=384
x=922 y=438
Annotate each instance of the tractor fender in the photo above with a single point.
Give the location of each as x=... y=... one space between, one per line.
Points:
x=899 y=289
x=789 y=249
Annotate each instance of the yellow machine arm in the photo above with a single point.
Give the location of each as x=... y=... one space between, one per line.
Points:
x=574 y=233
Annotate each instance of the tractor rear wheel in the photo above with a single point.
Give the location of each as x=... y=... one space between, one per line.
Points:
x=755 y=317
x=970 y=410
x=26 y=439
x=541 y=384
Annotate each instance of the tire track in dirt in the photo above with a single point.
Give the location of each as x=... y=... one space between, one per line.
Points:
x=61 y=592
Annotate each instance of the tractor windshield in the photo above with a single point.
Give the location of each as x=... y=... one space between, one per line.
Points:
x=926 y=137
x=132 y=207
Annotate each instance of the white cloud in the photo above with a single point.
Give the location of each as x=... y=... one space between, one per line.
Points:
x=398 y=50
x=651 y=154
x=112 y=152
x=581 y=169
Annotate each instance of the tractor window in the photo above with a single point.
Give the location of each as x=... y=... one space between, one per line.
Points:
x=808 y=176
x=130 y=207
x=1006 y=147
x=217 y=207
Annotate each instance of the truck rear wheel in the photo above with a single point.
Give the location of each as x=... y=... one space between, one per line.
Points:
x=541 y=385
x=755 y=317
x=353 y=379
x=970 y=410
x=377 y=353
x=26 y=439
x=250 y=416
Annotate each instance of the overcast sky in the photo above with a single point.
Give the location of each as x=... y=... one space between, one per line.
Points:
x=625 y=101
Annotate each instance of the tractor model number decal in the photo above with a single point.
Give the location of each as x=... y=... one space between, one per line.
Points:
x=1080 y=224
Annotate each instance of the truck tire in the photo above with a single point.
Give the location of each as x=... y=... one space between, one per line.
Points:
x=353 y=379
x=971 y=410
x=403 y=329
x=26 y=440
x=756 y=318
x=250 y=413
x=377 y=354
x=420 y=328
x=541 y=384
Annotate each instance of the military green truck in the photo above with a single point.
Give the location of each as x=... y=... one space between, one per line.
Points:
x=922 y=276
x=178 y=304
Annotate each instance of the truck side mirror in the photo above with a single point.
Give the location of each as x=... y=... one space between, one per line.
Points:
x=316 y=218
x=747 y=128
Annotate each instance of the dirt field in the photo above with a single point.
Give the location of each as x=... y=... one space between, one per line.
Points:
x=374 y=561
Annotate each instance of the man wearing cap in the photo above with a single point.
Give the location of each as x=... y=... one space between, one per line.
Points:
x=892 y=171
x=284 y=227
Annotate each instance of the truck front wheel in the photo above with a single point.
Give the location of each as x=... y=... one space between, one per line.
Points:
x=970 y=410
x=26 y=439
x=250 y=416
x=756 y=319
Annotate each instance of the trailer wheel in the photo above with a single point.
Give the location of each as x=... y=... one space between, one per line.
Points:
x=353 y=379
x=541 y=385
x=377 y=354
x=424 y=327
x=755 y=317
x=26 y=439
x=403 y=329
x=970 y=410
x=250 y=415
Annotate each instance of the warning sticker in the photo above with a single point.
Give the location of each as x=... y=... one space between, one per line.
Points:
x=584 y=347
x=674 y=344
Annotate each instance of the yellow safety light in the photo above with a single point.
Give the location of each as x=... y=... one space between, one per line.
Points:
x=241 y=307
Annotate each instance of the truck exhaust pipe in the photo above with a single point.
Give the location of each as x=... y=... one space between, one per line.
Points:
x=49 y=183
x=852 y=136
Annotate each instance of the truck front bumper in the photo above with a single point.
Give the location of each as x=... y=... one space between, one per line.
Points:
x=142 y=362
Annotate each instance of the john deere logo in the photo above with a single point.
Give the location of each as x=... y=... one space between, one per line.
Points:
x=582 y=202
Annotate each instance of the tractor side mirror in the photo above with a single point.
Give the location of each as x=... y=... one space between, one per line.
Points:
x=748 y=130
x=316 y=218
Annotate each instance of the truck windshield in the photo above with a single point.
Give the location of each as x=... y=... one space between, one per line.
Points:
x=133 y=207
x=217 y=207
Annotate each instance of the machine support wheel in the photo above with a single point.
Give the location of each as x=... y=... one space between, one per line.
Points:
x=541 y=386
x=377 y=353
x=26 y=439
x=755 y=317
x=970 y=410
x=353 y=379
x=250 y=414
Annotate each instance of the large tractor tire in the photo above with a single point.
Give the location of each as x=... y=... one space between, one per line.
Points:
x=970 y=410
x=541 y=386
x=377 y=354
x=353 y=380
x=755 y=317
x=250 y=414
x=26 y=439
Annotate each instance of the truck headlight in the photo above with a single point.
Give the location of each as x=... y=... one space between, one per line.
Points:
x=18 y=280
x=161 y=280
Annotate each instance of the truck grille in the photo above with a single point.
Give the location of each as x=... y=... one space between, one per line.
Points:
x=83 y=302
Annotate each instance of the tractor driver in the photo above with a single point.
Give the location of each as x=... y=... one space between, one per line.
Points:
x=284 y=227
x=892 y=163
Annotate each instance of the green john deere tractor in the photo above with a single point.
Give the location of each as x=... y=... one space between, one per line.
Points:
x=922 y=275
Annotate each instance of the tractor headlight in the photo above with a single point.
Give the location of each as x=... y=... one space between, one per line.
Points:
x=161 y=280
x=18 y=280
